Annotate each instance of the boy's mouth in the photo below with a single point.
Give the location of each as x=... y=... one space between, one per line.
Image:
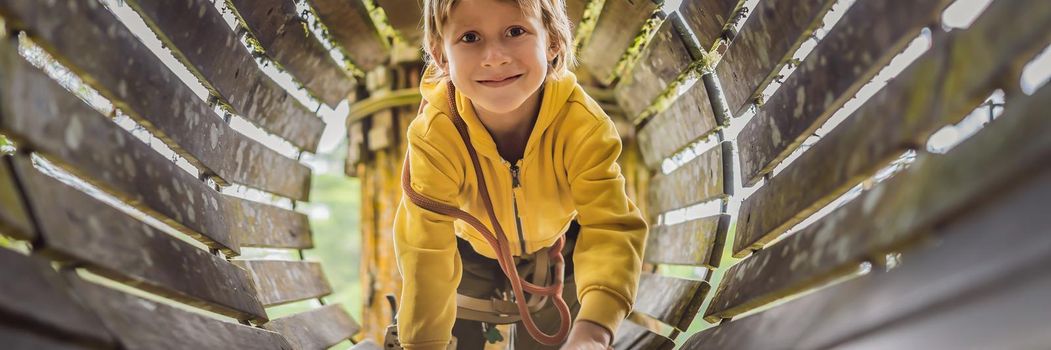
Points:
x=500 y=81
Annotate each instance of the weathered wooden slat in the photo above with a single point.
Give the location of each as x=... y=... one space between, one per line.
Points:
x=632 y=336
x=868 y=36
x=89 y=40
x=895 y=212
x=319 y=328
x=406 y=17
x=21 y=339
x=263 y=225
x=277 y=26
x=663 y=59
x=689 y=118
x=139 y=323
x=37 y=111
x=673 y=301
x=937 y=295
x=939 y=88
x=350 y=25
x=769 y=37
x=617 y=26
x=35 y=296
x=575 y=12
x=114 y=244
x=14 y=220
x=707 y=19
x=703 y=178
x=280 y=282
x=695 y=242
x=198 y=35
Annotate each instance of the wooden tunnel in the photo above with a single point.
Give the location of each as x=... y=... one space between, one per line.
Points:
x=786 y=210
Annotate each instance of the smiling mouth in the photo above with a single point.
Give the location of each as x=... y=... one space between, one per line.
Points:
x=503 y=82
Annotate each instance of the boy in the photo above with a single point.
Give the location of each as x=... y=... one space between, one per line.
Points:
x=548 y=155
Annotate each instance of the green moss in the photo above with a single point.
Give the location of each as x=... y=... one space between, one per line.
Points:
x=587 y=23
x=379 y=18
x=649 y=29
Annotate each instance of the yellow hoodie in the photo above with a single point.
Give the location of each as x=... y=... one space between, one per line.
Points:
x=568 y=171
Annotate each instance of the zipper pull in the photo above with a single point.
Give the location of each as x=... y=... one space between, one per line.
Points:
x=514 y=176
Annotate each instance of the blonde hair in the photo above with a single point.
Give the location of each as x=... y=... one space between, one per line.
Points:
x=552 y=14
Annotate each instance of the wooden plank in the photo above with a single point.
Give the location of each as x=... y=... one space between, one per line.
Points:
x=281 y=282
x=348 y=22
x=706 y=19
x=198 y=36
x=45 y=117
x=894 y=213
x=868 y=36
x=575 y=12
x=279 y=29
x=940 y=88
x=14 y=219
x=116 y=245
x=89 y=40
x=663 y=59
x=617 y=26
x=264 y=225
x=319 y=328
x=406 y=17
x=689 y=118
x=696 y=242
x=632 y=336
x=768 y=39
x=939 y=291
x=701 y=179
x=140 y=323
x=673 y=301
x=21 y=339
x=35 y=297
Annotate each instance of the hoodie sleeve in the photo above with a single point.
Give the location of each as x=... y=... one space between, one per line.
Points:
x=608 y=254
x=425 y=245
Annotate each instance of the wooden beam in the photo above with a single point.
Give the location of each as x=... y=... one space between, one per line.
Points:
x=282 y=282
x=283 y=34
x=90 y=41
x=81 y=228
x=673 y=301
x=198 y=36
x=140 y=323
x=615 y=31
x=707 y=19
x=689 y=118
x=14 y=219
x=703 y=178
x=770 y=36
x=350 y=25
x=895 y=213
x=845 y=60
x=663 y=60
x=320 y=328
x=36 y=297
x=982 y=284
x=696 y=242
x=941 y=87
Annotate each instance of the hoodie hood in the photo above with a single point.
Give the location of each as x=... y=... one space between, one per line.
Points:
x=556 y=93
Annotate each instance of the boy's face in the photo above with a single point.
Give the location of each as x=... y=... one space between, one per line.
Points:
x=496 y=56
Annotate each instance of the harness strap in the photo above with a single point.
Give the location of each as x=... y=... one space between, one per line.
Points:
x=499 y=241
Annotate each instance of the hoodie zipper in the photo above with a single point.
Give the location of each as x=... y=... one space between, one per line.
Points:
x=516 y=183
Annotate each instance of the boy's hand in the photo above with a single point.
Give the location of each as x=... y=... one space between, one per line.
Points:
x=587 y=335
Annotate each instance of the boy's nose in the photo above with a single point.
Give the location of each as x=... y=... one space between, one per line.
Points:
x=495 y=55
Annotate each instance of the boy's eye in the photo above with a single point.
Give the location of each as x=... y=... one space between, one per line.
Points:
x=516 y=31
x=469 y=37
